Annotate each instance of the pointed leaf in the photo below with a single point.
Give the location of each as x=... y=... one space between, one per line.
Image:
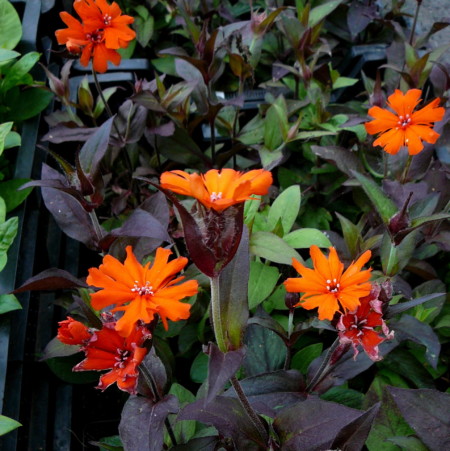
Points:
x=383 y=205
x=262 y=281
x=55 y=348
x=95 y=148
x=271 y=247
x=142 y=422
x=51 y=279
x=304 y=238
x=353 y=436
x=221 y=367
x=426 y=411
x=410 y=328
x=7 y=424
x=8 y=303
x=403 y=306
x=285 y=208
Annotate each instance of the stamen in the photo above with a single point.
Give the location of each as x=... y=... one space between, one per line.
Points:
x=328 y=281
x=215 y=196
x=107 y=19
x=142 y=290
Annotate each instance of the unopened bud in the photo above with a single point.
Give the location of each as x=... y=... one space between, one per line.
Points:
x=291 y=300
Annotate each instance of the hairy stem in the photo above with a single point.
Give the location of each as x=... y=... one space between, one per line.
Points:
x=249 y=409
x=216 y=314
x=406 y=170
x=324 y=367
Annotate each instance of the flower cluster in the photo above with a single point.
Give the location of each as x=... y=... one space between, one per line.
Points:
x=102 y=30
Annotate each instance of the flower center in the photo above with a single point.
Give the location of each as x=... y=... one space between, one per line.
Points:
x=142 y=290
x=107 y=19
x=360 y=325
x=121 y=359
x=215 y=196
x=95 y=36
x=333 y=286
x=404 y=122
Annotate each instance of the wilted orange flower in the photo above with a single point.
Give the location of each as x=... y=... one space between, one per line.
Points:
x=72 y=332
x=108 y=350
x=405 y=127
x=327 y=286
x=218 y=189
x=102 y=31
x=142 y=291
x=365 y=326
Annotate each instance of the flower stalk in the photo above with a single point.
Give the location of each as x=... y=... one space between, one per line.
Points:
x=216 y=314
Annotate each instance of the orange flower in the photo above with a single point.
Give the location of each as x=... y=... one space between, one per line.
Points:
x=142 y=291
x=72 y=332
x=218 y=189
x=405 y=127
x=102 y=31
x=108 y=350
x=327 y=286
x=99 y=15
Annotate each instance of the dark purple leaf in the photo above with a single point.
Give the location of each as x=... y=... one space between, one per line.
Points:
x=69 y=214
x=199 y=444
x=153 y=375
x=61 y=133
x=270 y=392
x=158 y=207
x=312 y=424
x=142 y=423
x=353 y=436
x=344 y=159
x=360 y=14
x=55 y=348
x=263 y=319
x=399 y=192
x=427 y=412
x=51 y=279
x=403 y=306
x=167 y=129
x=139 y=224
x=410 y=328
x=149 y=101
x=95 y=148
x=229 y=418
x=131 y=121
x=221 y=367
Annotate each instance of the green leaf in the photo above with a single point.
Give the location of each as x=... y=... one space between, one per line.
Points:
x=8 y=231
x=253 y=132
x=352 y=235
x=276 y=126
x=346 y=396
x=305 y=238
x=251 y=208
x=7 y=424
x=13 y=139
x=144 y=25
x=313 y=134
x=271 y=247
x=344 y=82
x=383 y=205
x=184 y=429
x=10 y=26
x=24 y=104
x=261 y=283
x=408 y=443
x=285 y=208
x=62 y=367
x=100 y=106
x=12 y=195
x=417 y=222
x=199 y=368
x=2 y=210
x=19 y=70
x=395 y=257
x=8 y=303
x=303 y=358
x=321 y=12
x=5 y=128
x=6 y=55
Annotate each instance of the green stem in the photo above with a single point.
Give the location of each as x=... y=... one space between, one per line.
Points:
x=216 y=314
x=324 y=367
x=213 y=141
x=368 y=167
x=97 y=227
x=406 y=170
x=249 y=409
x=287 y=361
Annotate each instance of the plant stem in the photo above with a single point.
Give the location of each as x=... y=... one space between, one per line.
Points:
x=249 y=409
x=368 y=167
x=216 y=316
x=416 y=15
x=213 y=141
x=108 y=110
x=324 y=367
x=406 y=170
x=152 y=386
x=287 y=361
x=96 y=224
